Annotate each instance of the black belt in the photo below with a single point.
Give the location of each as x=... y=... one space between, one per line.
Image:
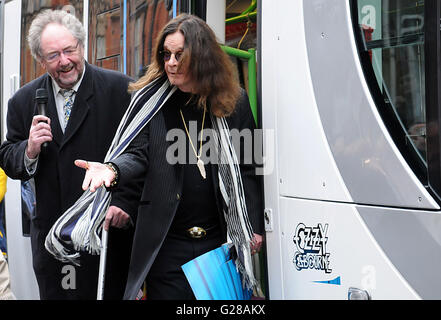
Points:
x=194 y=232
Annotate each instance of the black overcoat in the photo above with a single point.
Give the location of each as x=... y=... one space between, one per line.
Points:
x=100 y=103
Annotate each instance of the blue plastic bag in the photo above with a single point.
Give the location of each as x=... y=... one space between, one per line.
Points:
x=213 y=276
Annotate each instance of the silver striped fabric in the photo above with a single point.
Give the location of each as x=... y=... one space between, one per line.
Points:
x=239 y=230
x=79 y=228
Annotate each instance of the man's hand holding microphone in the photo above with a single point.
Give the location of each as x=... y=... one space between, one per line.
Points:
x=40 y=132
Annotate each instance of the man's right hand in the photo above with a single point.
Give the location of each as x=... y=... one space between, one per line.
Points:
x=39 y=133
x=97 y=175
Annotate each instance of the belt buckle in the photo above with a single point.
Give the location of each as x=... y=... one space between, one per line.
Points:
x=197 y=232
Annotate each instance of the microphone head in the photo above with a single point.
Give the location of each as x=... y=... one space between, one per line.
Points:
x=41 y=95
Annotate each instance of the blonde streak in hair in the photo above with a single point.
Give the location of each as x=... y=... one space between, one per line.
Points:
x=153 y=70
x=152 y=73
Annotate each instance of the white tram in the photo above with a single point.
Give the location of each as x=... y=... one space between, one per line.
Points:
x=348 y=99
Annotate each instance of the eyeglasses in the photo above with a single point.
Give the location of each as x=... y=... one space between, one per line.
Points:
x=68 y=52
x=166 y=55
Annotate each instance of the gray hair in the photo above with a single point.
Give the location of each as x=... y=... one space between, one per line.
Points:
x=60 y=17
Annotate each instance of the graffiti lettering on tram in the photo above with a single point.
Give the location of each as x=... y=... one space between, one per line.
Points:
x=311 y=248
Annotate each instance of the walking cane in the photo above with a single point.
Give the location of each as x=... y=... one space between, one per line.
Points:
x=102 y=269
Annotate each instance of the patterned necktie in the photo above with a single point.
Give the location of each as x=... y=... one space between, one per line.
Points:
x=68 y=102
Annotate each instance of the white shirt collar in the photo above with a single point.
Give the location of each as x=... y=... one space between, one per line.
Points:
x=57 y=88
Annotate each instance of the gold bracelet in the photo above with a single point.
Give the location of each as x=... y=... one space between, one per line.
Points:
x=115 y=171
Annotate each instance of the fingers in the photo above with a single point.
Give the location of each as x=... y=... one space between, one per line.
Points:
x=40 y=125
x=91 y=180
x=85 y=165
x=40 y=119
x=96 y=176
x=256 y=243
x=82 y=164
x=116 y=217
x=95 y=183
x=86 y=182
x=107 y=182
x=39 y=133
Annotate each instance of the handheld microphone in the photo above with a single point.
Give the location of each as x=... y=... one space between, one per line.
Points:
x=41 y=97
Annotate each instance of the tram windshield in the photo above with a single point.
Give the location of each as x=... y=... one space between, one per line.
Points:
x=393 y=34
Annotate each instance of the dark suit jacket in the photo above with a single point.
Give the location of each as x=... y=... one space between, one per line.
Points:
x=163 y=186
x=100 y=102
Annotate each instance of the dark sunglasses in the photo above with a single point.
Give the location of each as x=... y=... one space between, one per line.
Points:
x=166 y=55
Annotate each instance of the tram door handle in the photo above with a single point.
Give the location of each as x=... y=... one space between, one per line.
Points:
x=358 y=294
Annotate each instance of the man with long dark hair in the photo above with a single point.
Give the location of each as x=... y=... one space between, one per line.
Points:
x=196 y=204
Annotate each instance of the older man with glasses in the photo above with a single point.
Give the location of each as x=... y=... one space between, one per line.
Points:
x=84 y=107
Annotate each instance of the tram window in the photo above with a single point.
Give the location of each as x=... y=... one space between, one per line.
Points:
x=108 y=39
x=144 y=21
x=105 y=34
x=393 y=34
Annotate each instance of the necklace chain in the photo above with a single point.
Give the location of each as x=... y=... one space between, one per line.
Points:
x=200 y=163
x=198 y=155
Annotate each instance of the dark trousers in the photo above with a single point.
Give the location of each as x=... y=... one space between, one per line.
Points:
x=166 y=280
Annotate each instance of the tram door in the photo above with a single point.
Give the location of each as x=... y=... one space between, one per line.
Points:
x=23 y=282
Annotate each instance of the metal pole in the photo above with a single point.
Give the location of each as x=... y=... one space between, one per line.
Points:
x=241 y=18
x=125 y=36
x=252 y=82
x=215 y=17
x=175 y=5
x=102 y=269
x=249 y=55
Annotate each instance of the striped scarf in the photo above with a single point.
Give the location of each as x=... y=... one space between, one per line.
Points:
x=79 y=228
